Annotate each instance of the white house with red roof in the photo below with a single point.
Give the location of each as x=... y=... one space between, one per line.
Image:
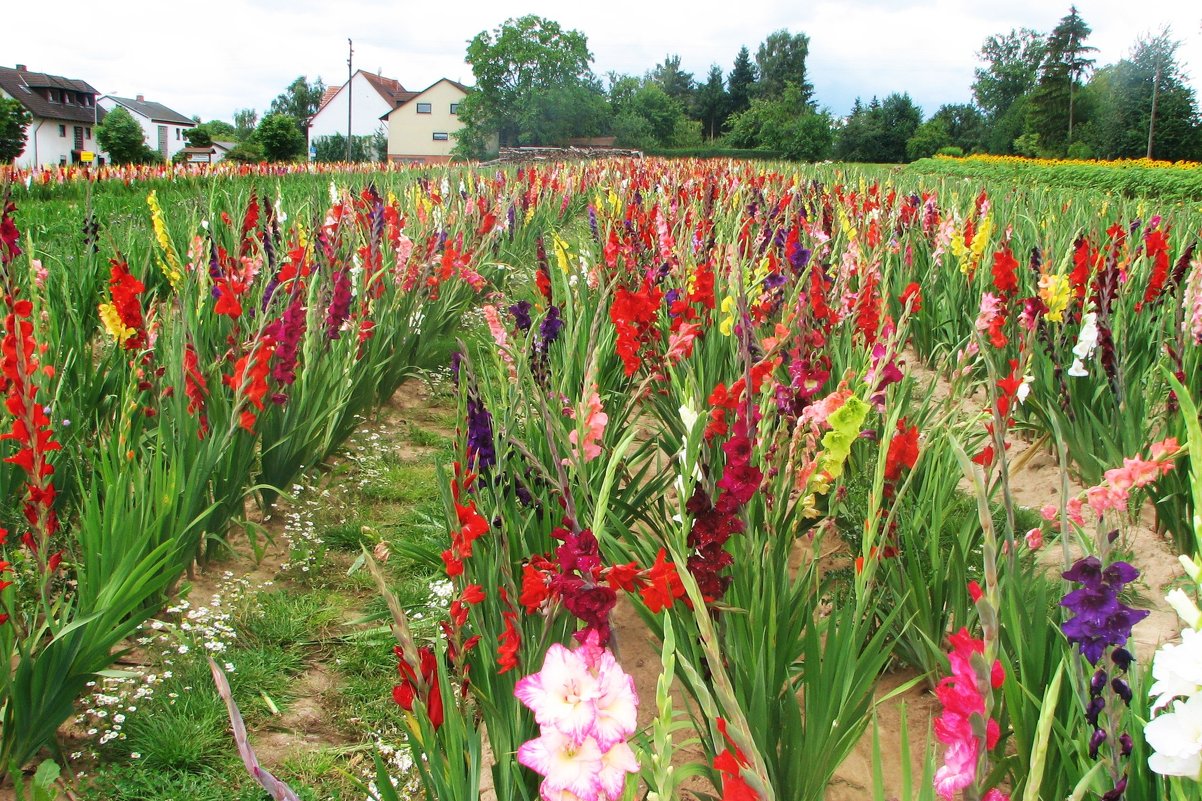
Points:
x=369 y=95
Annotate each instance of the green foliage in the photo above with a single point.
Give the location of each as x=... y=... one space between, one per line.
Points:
x=878 y=133
x=781 y=60
x=14 y=119
x=280 y=137
x=299 y=101
x=522 y=63
x=740 y=84
x=1123 y=95
x=551 y=115
x=1121 y=179
x=648 y=118
x=198 y=137
x=928 y=139
x=120 y=135
x=1011 y=72
x=676 y=83
x=965 y=124
x=332 y=148
x=1052 y=112
x=246 y=152
x=245 y=120
x=786 y=125
x=713 y=103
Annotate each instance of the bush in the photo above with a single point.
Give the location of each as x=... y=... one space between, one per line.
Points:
x=1080 y=151
x=951 y=150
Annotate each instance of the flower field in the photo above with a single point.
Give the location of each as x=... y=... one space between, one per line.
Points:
x=793 y=435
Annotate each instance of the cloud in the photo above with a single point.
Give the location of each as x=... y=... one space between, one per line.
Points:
x=226 y=54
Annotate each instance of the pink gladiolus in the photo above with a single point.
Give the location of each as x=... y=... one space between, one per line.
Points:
x=963 y=699
x=594 y=426
x=1035 y=539
x=586 y=707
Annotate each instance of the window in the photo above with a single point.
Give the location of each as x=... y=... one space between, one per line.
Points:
x=87 y=132
x=178 y=134
x=62 y=130
x=454 y=108
x=440 y=136
x=424 y=108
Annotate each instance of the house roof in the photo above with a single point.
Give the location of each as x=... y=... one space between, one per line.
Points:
x=405 y=97
x=155 y=112
x=389 y=89
x=22 y=85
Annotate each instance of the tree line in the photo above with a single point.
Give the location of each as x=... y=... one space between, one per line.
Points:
x=1034 y=94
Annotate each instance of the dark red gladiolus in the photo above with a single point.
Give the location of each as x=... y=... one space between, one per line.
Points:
x=903 y=451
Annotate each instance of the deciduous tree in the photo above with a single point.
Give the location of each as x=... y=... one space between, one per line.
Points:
x=781 y=60
x=1003 y=86
x=516 y=66
x=122 y=138
x=280 y=137
x=14 y=119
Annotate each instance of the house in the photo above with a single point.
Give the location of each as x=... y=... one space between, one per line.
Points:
x=162 y=127
x=370 y=96
x=212 y=154
x=64 y=115
x=422 y=126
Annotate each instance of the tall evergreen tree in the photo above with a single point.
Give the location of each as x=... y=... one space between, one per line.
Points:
x=741 y=83
x=713 y=103
x=1065 y=64
x=781 y=60
x=676 y=83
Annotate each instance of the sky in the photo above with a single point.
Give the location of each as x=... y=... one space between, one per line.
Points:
x=211 y=58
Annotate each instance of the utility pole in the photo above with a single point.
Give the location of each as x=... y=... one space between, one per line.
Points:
x=350 y=52
x=1152 y=118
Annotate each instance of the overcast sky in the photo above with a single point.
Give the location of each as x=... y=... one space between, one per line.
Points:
x=210 y=58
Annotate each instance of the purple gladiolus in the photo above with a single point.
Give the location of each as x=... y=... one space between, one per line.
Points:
x=1099 y=618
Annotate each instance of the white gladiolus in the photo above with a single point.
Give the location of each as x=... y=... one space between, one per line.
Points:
x=1087 y=341
x=1176 y=738
x=1177 y=669
x=1185 y=607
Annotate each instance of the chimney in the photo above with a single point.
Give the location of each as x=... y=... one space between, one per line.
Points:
x=21 y=68
x=141 y=99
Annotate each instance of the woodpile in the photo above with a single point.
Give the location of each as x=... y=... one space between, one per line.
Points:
x=518 y=155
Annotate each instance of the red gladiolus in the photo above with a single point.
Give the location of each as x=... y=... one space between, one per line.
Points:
x=664 y=585
x=911 y=296
x=507 y=650
x=1157 y=248
x=195 y=388
x=30 y=425
x=729 y=764
x=408 y=690
x=1005 y=266
x=472 y=526
x=633 y=315
x=124 y=289
x=250 y=379
x=903 y=451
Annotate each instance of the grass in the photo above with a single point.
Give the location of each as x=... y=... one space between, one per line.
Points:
x=324 y=615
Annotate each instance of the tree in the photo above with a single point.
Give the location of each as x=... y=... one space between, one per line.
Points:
x=1003 y=87
x=1064 y=65
x=713 y=103
x=554 y=114
x=1144 y=106
x=786 y=125
x=928 y=139
x=280 y=137
x=676 y=83
x=741 y=82
x=363 y=148
x=14 y=119
x=878 y=133
x=198 y=137
x=515 y=65
x=300 y=100
x=781 y=60
x=121 y=137
x=246 y=120
x=965 y=125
